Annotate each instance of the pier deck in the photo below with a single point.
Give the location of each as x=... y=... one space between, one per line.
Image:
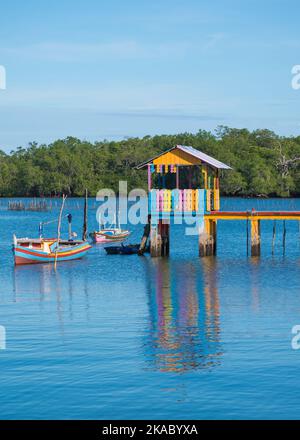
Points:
x=253 y=215
x=207 y=243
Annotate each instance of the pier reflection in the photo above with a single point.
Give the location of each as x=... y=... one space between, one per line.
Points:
x=184 y=315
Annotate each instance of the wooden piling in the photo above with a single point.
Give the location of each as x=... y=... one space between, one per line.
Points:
x=160 y=240
x=165 y=245
x=255 y=237
x=153 y=240
x=208 y=239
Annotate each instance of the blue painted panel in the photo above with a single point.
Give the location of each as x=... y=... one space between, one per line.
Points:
x=201 y=201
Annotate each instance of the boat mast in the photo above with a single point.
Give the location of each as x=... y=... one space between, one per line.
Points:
x=84 y=231
x=58 y=228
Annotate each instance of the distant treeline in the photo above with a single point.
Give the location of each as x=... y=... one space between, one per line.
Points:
x=264 y=164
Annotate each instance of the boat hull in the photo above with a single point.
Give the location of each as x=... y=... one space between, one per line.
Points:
x=123 y=250
x=24 y=255
x=100 y=237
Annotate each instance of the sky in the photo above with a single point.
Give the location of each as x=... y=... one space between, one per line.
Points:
x=110 y=70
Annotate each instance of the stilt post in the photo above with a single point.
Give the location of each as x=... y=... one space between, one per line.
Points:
x=165 y=244
x=160 y=239
x=255 y=237
x=208 y=239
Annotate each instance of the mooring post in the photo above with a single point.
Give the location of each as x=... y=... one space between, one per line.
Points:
x=208 y=239
x=255 y=237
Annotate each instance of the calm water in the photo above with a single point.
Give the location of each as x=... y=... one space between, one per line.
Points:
x=129 y=337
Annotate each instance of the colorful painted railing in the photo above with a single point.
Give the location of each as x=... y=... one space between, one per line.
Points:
x=183 y=200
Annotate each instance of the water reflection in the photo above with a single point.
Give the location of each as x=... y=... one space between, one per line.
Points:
x=41 y=282
x=28 y=280
x=184 y=328
x=254 y=282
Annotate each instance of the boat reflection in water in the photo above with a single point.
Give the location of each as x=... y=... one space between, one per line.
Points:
x=42 y=283
x=184 y=324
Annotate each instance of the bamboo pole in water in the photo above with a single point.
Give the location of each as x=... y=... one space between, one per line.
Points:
x=273 y=236
x=58 y=228
x=283 y=237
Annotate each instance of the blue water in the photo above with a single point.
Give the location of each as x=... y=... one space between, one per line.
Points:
x=125 y=337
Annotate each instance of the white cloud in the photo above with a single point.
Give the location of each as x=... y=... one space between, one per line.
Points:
x=212 y=41
x=125 y=49
x=54 y=51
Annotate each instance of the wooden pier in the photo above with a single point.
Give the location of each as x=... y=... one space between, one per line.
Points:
x=184 y=182
x=254 y=217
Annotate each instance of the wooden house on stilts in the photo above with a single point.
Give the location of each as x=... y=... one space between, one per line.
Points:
x=183 y=182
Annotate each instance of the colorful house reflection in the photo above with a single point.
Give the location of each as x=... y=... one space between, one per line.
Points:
x=184 y=327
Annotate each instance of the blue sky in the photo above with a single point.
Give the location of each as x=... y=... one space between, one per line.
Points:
x=98 y=69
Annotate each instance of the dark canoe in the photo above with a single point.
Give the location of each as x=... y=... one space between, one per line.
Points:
x=123 y=249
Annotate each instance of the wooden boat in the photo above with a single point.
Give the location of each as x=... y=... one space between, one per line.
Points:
x=109 y=235
x=113 y=233
x=123 y=249
x=52 y=250
x=47 y=250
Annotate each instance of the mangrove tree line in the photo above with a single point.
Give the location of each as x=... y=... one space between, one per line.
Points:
x=264 y=164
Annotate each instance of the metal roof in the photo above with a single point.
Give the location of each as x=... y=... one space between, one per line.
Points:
x=193 y=152
x=204 y=157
